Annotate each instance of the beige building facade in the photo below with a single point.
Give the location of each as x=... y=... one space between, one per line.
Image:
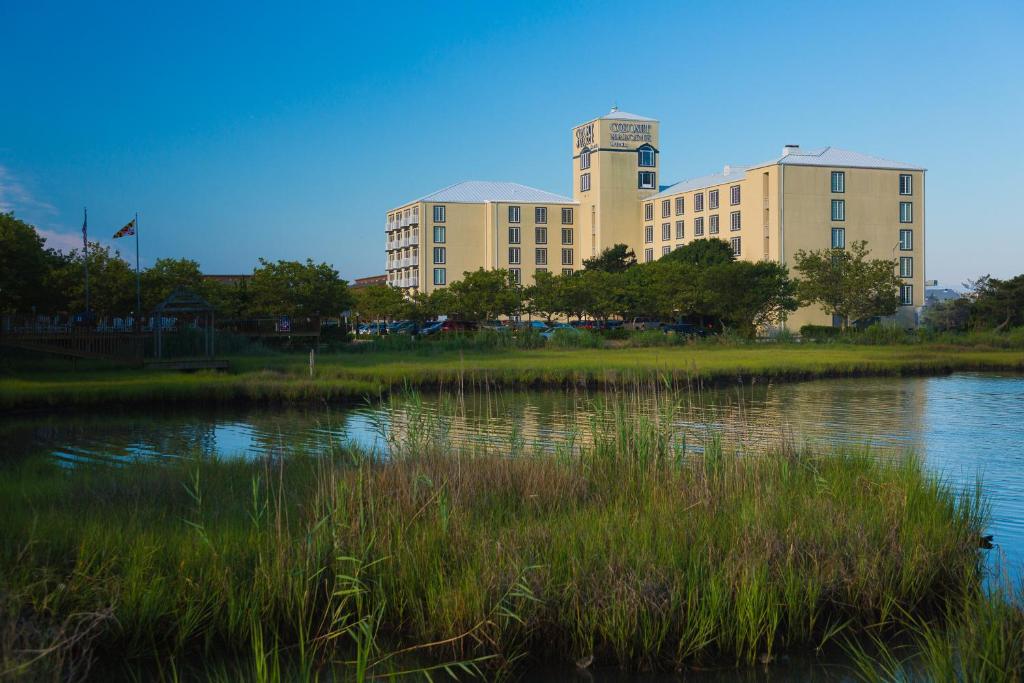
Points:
x=802 y=200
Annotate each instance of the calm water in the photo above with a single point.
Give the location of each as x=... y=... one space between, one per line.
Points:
x=965 y=425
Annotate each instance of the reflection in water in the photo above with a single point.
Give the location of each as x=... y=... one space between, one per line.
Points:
x=965 y=425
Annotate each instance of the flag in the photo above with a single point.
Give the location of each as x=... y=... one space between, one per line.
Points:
x=85 y=229
x=126 y=231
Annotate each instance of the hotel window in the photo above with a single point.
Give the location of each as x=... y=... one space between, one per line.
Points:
x=439 y=234
x=566 y=216
x=713 y=199
x=567 y=257
x=514 y=254
x=566 y=235
x=906 y=212
x=513 y=235
x=513 y=214
x=541 y=256
x=645 y=180
x=540 y=215
x=906 y=184
x=734 y=195
x=680 y=230
x=649 y=234
x=648 y=212
x=666 y=232
x=540 y=235
x=906 y=266
x=906 y=240
x=838 y=209
x=713 y=225
x=648 y=255
x=439 y=254
x=906 y=295
x=735 y=244
x=645 y=157
x=666 y=250
x=439 y=214
x=585 y=182
x=541 y=270
x=440 y=276
x=515 y=275
x=838 y=181
x=585 y=159
x=566 y=271
x=734 y=220
x=666 y=208
x=698 y=226
x=698 y=201
x=680 y=205
x=839 y=238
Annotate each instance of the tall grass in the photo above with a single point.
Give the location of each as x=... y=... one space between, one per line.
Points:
x=627 y=546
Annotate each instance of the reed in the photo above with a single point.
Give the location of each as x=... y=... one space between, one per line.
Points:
x=626 y=544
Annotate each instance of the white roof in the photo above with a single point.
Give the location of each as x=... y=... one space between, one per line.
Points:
x=833 y=156
x=475 y=191
x=625 y=116
x=735 y=173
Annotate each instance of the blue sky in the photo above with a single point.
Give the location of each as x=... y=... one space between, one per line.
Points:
x=247 y=129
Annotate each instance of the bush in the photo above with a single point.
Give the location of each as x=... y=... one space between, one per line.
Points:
x=580 y=339
x=819 y=332
x=615 y=333
x=882 y=333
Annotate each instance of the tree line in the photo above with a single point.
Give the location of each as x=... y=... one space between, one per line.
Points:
x=700 y=282
x=38 y=279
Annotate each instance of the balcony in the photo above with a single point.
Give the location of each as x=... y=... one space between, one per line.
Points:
x=405 y=242
x=404 y=223
x=415 y=239
x=414 y=219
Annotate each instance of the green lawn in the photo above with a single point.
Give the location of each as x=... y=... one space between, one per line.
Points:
x=348 y=376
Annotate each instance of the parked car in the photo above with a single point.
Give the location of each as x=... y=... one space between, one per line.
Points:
x=637 y=324
x=431 y=328
x=559 y=328
x=373 y=328
x=683 y=328
x=531 y=325
x=404 y=327
x=458 y=326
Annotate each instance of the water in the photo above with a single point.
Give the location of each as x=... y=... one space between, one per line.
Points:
x=965 y=425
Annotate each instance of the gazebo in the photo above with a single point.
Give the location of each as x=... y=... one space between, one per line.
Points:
x=183 y=303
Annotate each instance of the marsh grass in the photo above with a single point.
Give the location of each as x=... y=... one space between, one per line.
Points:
x=482 y=560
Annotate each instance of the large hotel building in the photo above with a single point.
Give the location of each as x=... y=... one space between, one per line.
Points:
x=804 y=199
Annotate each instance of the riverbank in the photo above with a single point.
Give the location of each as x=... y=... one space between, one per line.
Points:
x=625 y=550
x=285 y=378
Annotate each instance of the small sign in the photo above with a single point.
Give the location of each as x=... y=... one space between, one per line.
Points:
x=284 y=324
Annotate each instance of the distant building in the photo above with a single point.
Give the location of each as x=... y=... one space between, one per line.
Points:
x=802 y=199
x=935 y=295
x=361 y=282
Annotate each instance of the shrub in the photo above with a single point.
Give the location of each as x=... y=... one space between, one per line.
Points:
x=819 y=332
x=581 y=339
x=881 y=333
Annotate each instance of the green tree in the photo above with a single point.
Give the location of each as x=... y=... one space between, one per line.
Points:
x=24 y=265
x=707 y=252
x=545 y=295
x=166 y=275
x=998 y=304
x=749 y=295
x=614 y=259
x=847 y=284
x=298 y=289
x=948 y=316
x=111 y=280
x=377 y=302
x=485 y=294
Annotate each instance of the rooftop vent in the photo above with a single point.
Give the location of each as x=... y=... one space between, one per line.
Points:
x=727 y=170
x=790 y=149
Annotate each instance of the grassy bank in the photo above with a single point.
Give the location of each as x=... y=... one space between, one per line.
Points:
x=348 y=376
x=627 y=549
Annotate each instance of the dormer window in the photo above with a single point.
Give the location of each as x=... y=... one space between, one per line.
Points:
x=645 y=157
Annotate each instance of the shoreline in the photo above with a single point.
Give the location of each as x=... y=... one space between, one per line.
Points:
x=342 y=378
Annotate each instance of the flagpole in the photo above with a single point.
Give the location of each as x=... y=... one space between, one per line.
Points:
x=85 y=245
x=138 y=281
